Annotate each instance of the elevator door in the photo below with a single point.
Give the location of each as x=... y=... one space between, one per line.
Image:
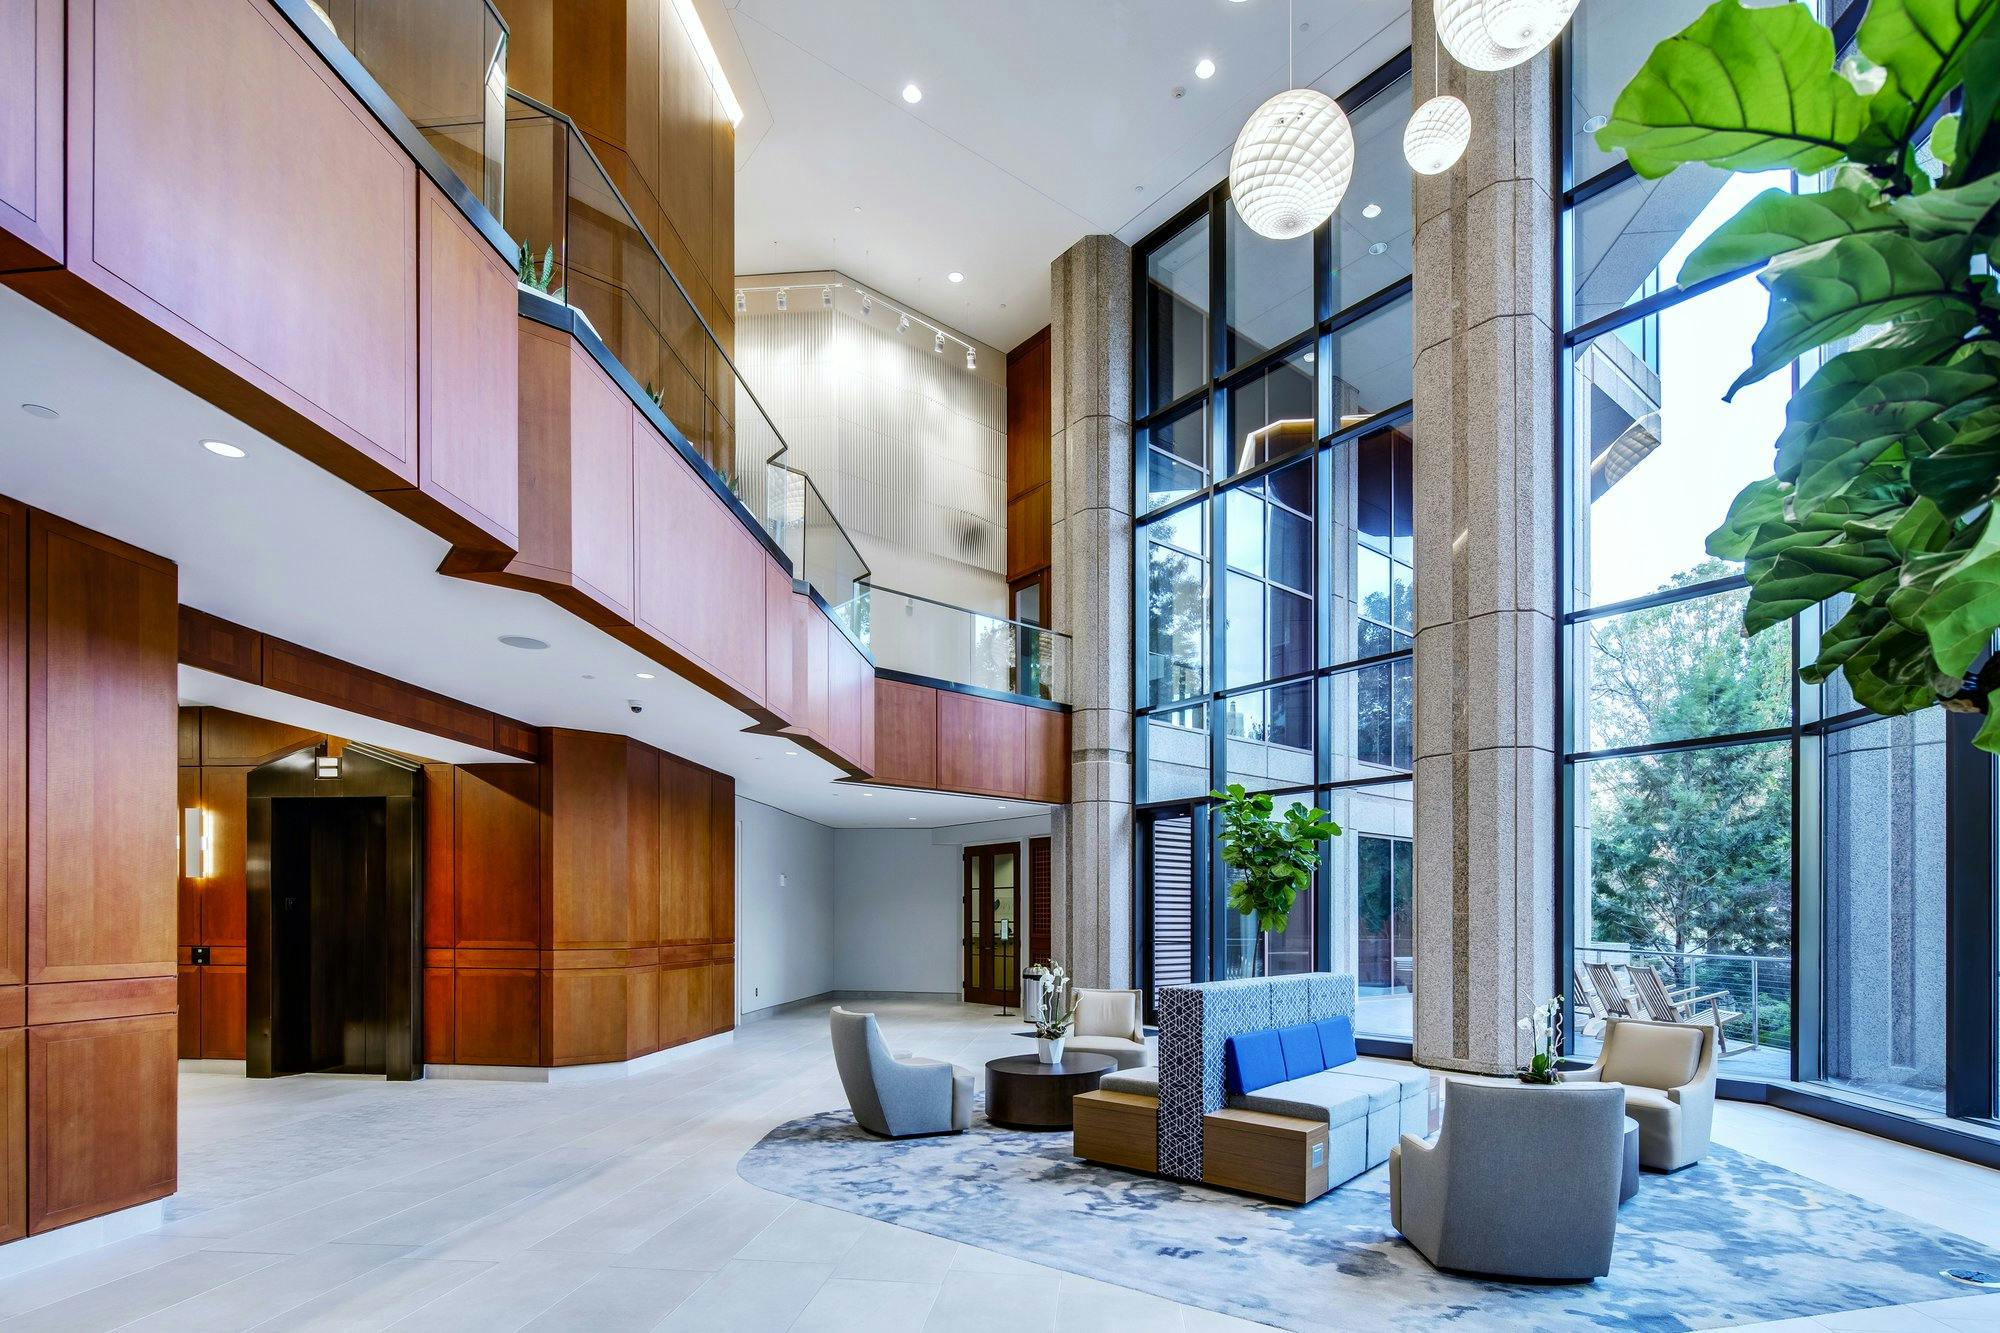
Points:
x=330 y=934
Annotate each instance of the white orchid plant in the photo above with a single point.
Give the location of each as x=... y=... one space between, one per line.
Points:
x=1544 y=1026
x=1058 y=1002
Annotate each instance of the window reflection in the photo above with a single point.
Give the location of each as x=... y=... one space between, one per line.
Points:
x=1269 y=297
x=1371 y=232
x=1268 y=605
x=1372 y=365
x=1273 y=415
x=1177 y=604
x=1177 y=315
x=1176 y=458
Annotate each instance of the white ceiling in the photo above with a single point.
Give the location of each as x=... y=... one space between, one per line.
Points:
x=1041 y=121
x=272 y=542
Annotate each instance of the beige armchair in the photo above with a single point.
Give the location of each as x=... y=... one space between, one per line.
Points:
x=1668 y=1070
x=1108 y=1022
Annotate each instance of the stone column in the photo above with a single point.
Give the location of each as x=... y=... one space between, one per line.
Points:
x=1486 y=477
x=1090 y=590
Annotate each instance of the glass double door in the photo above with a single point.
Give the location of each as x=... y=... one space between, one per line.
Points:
x=992 y=924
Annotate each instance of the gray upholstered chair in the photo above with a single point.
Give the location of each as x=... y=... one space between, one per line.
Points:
x=1108 y=1022
x=1522 y=1181
x=1668 y=1070
x=897 y=1098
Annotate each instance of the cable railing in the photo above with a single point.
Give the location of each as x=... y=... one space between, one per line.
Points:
x=1758 y=987
x=923 y=637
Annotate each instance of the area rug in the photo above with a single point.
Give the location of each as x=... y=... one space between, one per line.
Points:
x=1733 y=1240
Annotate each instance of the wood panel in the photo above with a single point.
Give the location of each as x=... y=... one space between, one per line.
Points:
x=440 y=859
x=849 y=679
x=588 y=1015
x=440 y=1015
x=187 y=895
x=1046 y=744
x=223 y=1012
x=694 y=561
x=642 y=847
x=499 y=1011
x=721 y=857
x=981 y=745
x=14 y=707
x=187 y=1001
x=906 y=734
x=1028 y=413
x=102 y=740
x=221 y=646
x=780 y=681
x=584 y=789
x=13 y=1134
x=242 y=741
x=497 y=847
x=31 y=134
x=687 y=833
x=642 y=1010
x=1028 y=533
x=224 y=894
x=76 y=1001
x=101 y=1117
x=467 y=365
x=164 y=164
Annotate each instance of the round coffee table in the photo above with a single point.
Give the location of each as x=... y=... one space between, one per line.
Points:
x=1024 y=1093
x=1628 y=1181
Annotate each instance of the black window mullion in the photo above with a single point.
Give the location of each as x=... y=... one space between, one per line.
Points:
x=1970 y=963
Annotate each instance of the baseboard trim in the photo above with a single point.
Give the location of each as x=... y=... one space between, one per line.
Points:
x=948 y=996
x=214 y=1067
x=644 y=1064
x=787 y=1006
x=31 y=1252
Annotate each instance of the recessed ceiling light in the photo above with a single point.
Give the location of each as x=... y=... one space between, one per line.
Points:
x=37 y=410
x=1379 y=248
x=1594 y=124
x=912 y=94
x=643 y=675
x=222 y=449
x=911 y=818
x=791 y=754
x=533 y=645
x=955 y=276
x=1371 y=210
x=1204 y=68
x=999 y=805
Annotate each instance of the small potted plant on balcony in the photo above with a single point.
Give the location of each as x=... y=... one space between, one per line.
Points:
x=1274 y=858
x=1057 y=1016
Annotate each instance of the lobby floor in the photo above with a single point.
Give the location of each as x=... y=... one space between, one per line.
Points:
x=349 y=1203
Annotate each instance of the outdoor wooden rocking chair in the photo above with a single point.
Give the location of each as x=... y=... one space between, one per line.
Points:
x=1682 y=1004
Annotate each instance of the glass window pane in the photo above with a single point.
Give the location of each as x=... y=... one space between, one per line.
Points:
x=1631 y=241
x=1372 y=571
x=1372 y=365
x=1370 y=869
x=1269 y=288
x=1679 y=671
x=1176 y=456
x=1607 y=45
x=1177 y=760
x=1177 y=604
x=1659 y=455
x=1269 y=737
x=1371 y=249
x=1245 y=951
x=1177 y=315
x=1684 y=865
x=1291 y=549
x=1289 y=619
x=1244 y=641
x=1883 y=1030
x=1243 y=528
x=1273 y=415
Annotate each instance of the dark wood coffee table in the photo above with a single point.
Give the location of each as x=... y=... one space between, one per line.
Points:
x=1024 y=1093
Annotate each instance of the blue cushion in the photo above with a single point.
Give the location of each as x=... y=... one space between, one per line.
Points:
x=1302 y=1050
x=1336 y=1041
x=1253 y=1060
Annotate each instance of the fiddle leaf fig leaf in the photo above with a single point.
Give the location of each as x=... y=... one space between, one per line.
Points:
x=1821 y=462
x=1964 y=605
x=1840 y=287
x=1748 y=89
x=1963 y=209
x=1921 y=46
x=1777 y=222
x=1759 y=503
x=1963 y=472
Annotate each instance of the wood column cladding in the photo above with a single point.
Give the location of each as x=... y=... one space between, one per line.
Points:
x=943 y=740
x=194 y=253
x=87 y=849
x=1028 y=459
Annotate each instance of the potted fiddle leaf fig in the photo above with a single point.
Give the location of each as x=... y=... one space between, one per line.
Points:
x=1881 y=269
x=1274 y=858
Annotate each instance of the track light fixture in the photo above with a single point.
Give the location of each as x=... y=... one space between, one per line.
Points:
x=742 y=301
x=826 y=298
x=903 y=324
x=938 y=345
x=784 y=299
x=971 y=358
x=867 y=304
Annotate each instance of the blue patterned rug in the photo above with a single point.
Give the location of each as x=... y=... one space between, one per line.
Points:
x=1732 y=1240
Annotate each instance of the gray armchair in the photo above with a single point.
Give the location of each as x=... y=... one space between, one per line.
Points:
x=1668 y=1073
x=1522 y=1181
x=896 y=1098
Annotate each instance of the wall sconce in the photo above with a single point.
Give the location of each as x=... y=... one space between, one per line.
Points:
x=327 y=767
x=197 y=842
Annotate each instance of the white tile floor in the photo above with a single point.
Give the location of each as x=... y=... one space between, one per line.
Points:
x=343 y=1203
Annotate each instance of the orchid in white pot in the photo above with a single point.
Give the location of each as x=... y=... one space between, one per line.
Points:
x=1058 y=1014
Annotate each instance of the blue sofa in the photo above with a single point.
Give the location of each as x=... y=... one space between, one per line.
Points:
x=1311 y=1071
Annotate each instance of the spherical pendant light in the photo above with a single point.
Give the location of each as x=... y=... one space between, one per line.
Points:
x=1437 y=135
x=1499 y=34
x=1292 y=163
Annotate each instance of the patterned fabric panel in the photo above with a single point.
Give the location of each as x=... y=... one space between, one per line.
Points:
x=1195 y=1022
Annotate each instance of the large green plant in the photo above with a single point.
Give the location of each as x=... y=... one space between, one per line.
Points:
x=1275 y=858
x=1888 y=463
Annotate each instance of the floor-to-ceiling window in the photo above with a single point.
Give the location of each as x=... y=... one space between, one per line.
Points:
x=1273 y=571
x=1738 y=846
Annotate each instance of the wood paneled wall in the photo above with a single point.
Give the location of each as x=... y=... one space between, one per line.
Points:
x=1028 y=459
x=87 y=987
x=287 y=263
x=941 y=740
x=627 y=72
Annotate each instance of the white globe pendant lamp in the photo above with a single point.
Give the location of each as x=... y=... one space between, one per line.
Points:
x=1437 y=135
x=1499 y=34
x=1293 y=160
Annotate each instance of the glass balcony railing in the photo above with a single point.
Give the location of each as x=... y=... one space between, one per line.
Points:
x=444 y=62
x=582 y=246
x=821 y=552
x=908 y=633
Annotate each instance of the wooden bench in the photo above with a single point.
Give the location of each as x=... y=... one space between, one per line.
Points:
x=1277 y=1156
x=1117 y=1129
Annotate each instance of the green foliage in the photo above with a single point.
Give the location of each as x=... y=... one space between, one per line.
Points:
x=1885 y=473
x=1274 y=858
x=537 y=277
